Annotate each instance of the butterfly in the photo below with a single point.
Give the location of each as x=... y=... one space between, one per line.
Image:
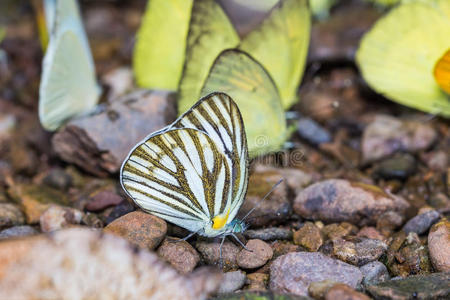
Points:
x=68 y=85
x=398 y=57
x=201 y=33
x=194 y=172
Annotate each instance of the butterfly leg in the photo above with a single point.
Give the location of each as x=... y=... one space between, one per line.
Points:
x=188 y=236
x=220 y=253
x=240 y=243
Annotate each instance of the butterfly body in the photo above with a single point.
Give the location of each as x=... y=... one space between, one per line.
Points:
x=194 y=172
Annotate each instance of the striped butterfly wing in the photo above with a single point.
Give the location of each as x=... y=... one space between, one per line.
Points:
x=193 y=169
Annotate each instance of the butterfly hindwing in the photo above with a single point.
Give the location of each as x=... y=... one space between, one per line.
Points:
x=194 y=169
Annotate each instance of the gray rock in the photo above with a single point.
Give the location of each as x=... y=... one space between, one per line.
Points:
x=312 y=132
x=293 y=272
x=374 y=272
x=359 y=251
x=338 y=200
x=232 y=281
x=10 y=215
x=421 y=223
x=400 y=167
x=269 y=234
x=18 y=231
x=58 y=179
x=433 y=286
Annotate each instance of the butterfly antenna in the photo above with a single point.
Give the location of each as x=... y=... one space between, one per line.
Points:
x=257 y=205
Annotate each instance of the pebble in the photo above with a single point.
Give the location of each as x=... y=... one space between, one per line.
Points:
x=387 y=135
x=343 y=291
x=85 y=142
x=432 y=286
x=17 y=231
x=180 y=254
x=358 y=251
x=82 y=263
x=10 y=215
x=389 y=221
x=293 y=272
x=339 y=230
x=140 y=229
x=439 y=245
x=399 y=167
x=309 y=237
x=371 y=233
x=374 y=272
x=284 y=247
x=122 y=209
x=312 y=132
x=436 y=160
x=295 y=179
x=338 y=200
x=58 y=179
x=269 y=234
x=58 y=217
x=232 y=281
x=318 y=289
x=211 y=255
x=36 y=199
x=119 y=81
x=275 y=209
x=257 y=281
x=102 y=200
x=91 y=220
x=259 y=254
x=421 y=223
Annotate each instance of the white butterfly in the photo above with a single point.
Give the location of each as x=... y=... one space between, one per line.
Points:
x=68 y=86
x=194 y=172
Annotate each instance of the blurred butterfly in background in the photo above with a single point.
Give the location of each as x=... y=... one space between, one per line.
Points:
x=194 y=172
x=273 y=54
x=68 y=85
x=405 y=55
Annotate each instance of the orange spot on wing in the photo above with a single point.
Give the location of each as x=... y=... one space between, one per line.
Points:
x=442 y=72
x=220 y=221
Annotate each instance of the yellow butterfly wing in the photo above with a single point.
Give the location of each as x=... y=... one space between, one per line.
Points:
x=161 y=41
x=398 y=55
x=280 y=45
x=247 y=82
x=210 y=32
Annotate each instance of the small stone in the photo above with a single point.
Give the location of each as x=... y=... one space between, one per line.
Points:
x=439 y=245
x=180 y=254
x=58 y=217
x=387 y=135
x=339 y=230
x=337 y=200
x=374 y=272
x=269 y=234
x=308 y=236
x=400 y=167
x=275 y=208
x=343 y=291
x=296 y=179
x=140 y=229
x=436 y=160
x=294 y=272
x=388 y=222
x=432 y=286
x=122 y=209
x=91 y=220
x=371 y=233
x=439 y=201
x=312 y=132
x=17 y=231
x=10 y=215
x=119 y=81
x=102 y=200
x=210 y=253
x=36 y=199
x=85 y=142
x=257 y=281
x=358 y=251
x=58 y=179
x=232 y=281
x=318 y=289
x=283 y=247
x=260 y=253
x=421 y=223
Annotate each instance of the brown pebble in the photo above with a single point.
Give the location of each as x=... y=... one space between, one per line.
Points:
x=318 y=289
x=261 y=253
x=10 y=215
x=439 y=245
x=139 y=228
x=180 y=254
x=344 y=292
x=58 y=217
x=308 y=236
x=339 y=230
x=371 y=233
x=257 y=281
x=102 y=200
x=210 y=253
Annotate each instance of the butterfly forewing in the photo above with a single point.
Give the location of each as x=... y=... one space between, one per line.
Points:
x=195 y=168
